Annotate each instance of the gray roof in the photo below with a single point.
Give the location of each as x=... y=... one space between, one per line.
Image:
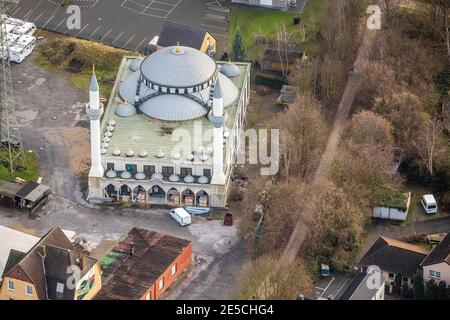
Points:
x=127 y=89
x=173 y=32
x=136 y=64
x=172 y=107
x=125 y=110
x=217 y=91
x=359 y=289
x=94 y=84
x=230 y=70
x=188 y=68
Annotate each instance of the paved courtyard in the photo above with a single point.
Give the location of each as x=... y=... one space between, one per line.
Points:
x=51 y=114
x=127 y=24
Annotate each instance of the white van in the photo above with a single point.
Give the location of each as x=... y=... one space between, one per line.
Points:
x=429 y=204
x=181 y=216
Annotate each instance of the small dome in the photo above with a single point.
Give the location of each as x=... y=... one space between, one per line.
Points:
x=110 y=128
x=125 y=175
x=125 y=110
x=157 y=176
x=140 y=176
x=105 y=145
x=143 y=154
x=174 y=178
x=190 y=157
x=111 y=122
x=203 y=180
x=116 y=152
x=107 y=139
x=135 y=65
x=111 y=174
x=159 y=154
x=103 y=151
x=108 y=134
x=189 y=179
x=204 y=157
x=230 y=70
x=176 y=156
x=129 y=153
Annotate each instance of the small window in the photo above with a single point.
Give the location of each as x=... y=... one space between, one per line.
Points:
x=29 y=290
x=207 y=172
x=11 y=286
x=435 y=274
x=391 y=275
x=161 y=283
x=405 y=279
x=174 y=269
x=109 y=166
x=60 y=287
x=149 y=170
x=167 y=171
x=185 y=172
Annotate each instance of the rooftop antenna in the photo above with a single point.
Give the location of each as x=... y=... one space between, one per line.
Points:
x=12 y=155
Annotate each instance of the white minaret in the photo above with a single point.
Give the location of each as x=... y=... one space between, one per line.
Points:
x=218 y=176
x=94 y=114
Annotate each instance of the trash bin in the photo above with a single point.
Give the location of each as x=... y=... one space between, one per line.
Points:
x=228 y=220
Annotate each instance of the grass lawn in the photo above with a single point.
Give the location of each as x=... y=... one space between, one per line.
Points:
x=253 y=21
x=59 y=52
x=29 y=172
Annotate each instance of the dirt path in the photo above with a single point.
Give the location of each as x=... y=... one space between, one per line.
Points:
x=301 y=229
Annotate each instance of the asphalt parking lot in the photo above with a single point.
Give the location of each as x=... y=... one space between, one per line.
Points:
x=127 y=24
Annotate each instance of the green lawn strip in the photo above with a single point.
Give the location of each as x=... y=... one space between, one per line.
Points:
x=253 y=21
x=29 y=172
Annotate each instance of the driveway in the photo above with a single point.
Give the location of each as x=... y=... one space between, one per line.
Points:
x=51 y=115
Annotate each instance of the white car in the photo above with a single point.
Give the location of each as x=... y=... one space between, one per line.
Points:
x=429 y=204
x=181 y=216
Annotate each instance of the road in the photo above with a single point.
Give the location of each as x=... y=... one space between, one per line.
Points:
x=51 y=114
x=301 y=229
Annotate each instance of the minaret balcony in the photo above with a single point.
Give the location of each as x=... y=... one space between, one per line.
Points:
x=94 y=114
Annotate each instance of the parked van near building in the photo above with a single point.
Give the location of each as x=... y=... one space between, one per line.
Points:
x=181 y=216
x=429 y=204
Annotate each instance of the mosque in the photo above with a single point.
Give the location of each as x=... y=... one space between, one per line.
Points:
x=170 y=132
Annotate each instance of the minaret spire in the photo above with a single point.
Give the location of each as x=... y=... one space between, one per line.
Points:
x=218 y=176
x=94 y=113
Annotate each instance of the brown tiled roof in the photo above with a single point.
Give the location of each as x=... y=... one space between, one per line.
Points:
x=394 y=256
x=129 y=276
x=13 y=259
x=55 y=252
x=440 y=253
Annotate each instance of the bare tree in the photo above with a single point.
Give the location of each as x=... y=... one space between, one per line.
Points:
x=428 y=143
x=283 y=45
x=438 y=13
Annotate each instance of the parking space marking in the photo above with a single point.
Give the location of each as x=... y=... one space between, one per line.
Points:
x=82 y=29
x=140 y=44
x=61 y=22
x=90 y=36
x=104 y=36
x=117 y=38
x=129 y=40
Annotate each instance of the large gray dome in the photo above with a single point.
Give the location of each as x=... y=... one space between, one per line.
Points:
x=172 y=107
x=178 y=67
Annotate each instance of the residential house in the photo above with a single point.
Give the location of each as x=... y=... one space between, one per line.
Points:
x=436 y=265
x=143 y=266
x=397 y=260
x=30 y=195
x=173 y=33
x=49 y=271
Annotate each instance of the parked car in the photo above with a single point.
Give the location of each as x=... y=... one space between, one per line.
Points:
x=429 y=204
x=181 y=216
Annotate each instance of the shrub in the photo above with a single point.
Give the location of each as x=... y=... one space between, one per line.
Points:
x=270 y=80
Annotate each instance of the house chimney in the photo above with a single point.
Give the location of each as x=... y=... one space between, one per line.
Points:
x=131 y=248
